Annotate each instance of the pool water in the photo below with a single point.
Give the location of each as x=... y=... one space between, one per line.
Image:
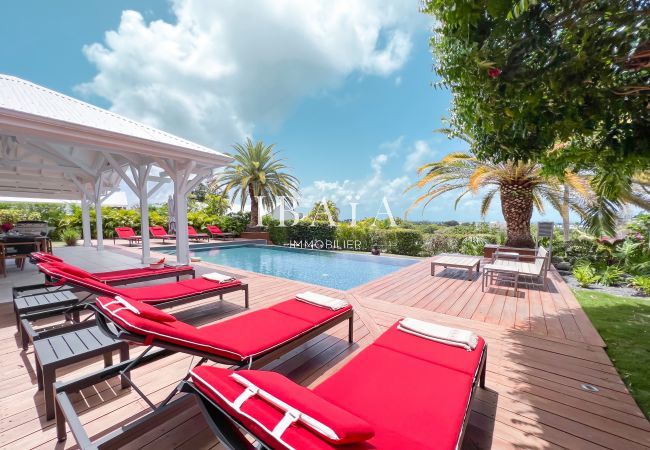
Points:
x=326 y=268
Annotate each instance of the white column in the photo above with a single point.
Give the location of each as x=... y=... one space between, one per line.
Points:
x=182 y=241
x=99 y=225
x=143 y=174
x=144 y=224
x=85 y=220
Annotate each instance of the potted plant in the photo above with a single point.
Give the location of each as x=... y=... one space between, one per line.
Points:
x=70 y=237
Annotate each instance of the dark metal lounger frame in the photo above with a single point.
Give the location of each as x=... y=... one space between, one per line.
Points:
x=28 y=334
x=65 y=411
x=49 y=287
x=232 y=433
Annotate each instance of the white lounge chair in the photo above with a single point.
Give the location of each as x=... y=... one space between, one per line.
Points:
x=510 y=265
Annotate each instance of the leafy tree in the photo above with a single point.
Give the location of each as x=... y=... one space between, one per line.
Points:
x=520 y=186
x=529 y=74
x=216 y=205
x=257 y=172
x=319 y=214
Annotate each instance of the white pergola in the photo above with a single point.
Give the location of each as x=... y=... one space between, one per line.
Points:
x=57 y=147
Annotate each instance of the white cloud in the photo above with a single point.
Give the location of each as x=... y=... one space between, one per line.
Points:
x=419 y=155
x=368 y=191
x=222 y=67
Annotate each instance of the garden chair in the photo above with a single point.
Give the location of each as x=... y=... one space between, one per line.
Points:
x=216 y=233
x=513 y=266
x=192 y=234
x=127 y=234
x=158 y=232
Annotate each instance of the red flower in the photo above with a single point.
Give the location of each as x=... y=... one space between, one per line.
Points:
x=494 y=72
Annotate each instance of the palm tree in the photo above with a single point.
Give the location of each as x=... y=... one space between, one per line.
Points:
x=319 y=213
x=257 y=172
x=613 y=190
x=521 y=187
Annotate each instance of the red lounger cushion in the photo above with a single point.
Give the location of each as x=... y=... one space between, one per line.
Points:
x=222 y=387
x=45 y=257
x=399 y=395
x=444 y=355
x=127 y=274
x=150 y=294
x=140 y=309
x=72 y=270
x=238 y=339
x=169 y=291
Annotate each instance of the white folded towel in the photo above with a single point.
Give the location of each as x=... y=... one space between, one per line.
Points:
x=439 y=333
x=218 y=277
x=321 y=300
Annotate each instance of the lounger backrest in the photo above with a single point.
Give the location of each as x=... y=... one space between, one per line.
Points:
x=265 y=399
x=191 y=230
x=214 y=229
x=125 y=232
x=157 y=230
x=540 y=261
x=45 y=257
x=77 y=277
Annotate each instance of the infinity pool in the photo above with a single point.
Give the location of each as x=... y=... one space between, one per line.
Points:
x=326 y=268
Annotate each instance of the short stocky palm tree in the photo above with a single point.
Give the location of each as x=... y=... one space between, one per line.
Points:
x=258 y=172
x=521 y=187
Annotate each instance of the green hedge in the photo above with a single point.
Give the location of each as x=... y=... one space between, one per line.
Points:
x=401 y=241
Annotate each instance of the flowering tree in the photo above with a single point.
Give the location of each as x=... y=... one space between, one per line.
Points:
x=529 y=75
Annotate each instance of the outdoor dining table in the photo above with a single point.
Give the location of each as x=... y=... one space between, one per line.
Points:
x=19 y=250
x=457 y=261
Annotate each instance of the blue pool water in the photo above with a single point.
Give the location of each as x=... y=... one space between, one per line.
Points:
x=326 y=268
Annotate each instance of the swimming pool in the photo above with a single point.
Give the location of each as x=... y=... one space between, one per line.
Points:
x=326 y=268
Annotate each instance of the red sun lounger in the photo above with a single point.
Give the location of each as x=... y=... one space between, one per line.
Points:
x=403 y=391
x=252 y=339
x=127 y=234
x=193 y=289
x=166 y=293
x=216 y=233
x=39 y=297
x=159 y=232
x=192 y=234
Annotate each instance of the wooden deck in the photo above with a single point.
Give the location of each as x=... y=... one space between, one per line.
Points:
x=535 y=370
x=552 y=312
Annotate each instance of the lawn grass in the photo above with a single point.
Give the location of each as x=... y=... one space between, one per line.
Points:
x=624 y=324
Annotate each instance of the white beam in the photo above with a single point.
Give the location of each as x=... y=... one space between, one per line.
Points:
x=85 y=220
x=118 y=168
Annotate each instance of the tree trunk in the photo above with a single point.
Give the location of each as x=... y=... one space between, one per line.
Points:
x=566 y=225
x=254 y=208
x=517 y=208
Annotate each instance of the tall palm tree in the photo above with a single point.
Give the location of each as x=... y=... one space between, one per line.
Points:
x=257 y=172
x=521 y=187
x=614 y=189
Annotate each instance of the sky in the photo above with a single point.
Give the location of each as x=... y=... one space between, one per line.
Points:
x=343 y=89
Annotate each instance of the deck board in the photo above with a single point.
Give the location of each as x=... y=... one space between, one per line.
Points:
x=541 y=348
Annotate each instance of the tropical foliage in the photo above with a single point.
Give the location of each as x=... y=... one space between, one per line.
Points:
x=257 y=172
x=561 y=82
x=521 y=187
x=319 y=213
x=559 y=70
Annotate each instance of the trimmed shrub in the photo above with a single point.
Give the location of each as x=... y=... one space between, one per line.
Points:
x=278 y=235
x=306 y=232
x=401 y=241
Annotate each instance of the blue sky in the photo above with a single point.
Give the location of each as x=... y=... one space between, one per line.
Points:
x=344 y=91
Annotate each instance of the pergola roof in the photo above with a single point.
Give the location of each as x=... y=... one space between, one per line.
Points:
x=55 y=146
